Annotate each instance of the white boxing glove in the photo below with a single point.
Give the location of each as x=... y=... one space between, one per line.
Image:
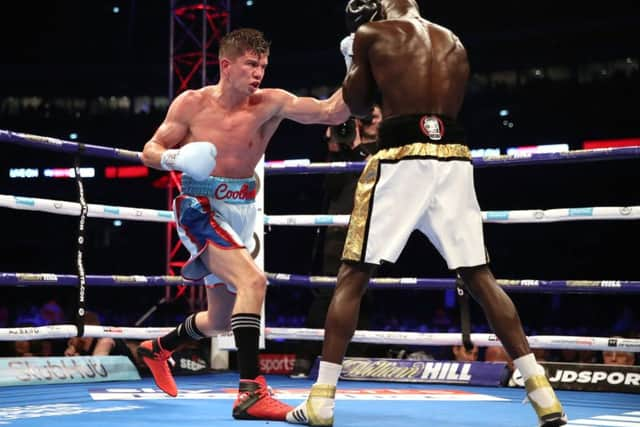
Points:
x=196 y=159
x=346 y=47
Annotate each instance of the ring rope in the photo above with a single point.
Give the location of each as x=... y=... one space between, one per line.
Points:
x=283 y=279
x=55 y=144
x=68 y=331
x=62 y=207
x=455 y=338
x=51 y=279
x=489 y=217
x=371 y=337
x=282 y=168
x=574 y=156
x=522 y=285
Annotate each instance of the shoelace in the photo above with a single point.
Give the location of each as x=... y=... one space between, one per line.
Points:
x=267 y=392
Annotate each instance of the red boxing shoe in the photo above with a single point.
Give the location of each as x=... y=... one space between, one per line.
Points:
x=157 y=358
x=254 y=402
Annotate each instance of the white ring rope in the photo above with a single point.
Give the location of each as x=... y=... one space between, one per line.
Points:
x=62 y=207
x=455 y=338
x=371 y=337
x=68 y=331
x=496 y=217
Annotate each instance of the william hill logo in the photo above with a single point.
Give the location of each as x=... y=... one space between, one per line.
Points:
x=408 y=370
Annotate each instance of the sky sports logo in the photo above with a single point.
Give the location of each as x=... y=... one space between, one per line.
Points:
x=277 y=363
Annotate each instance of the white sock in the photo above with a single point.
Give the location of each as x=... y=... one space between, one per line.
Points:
x=528 y=366
x=329 y=373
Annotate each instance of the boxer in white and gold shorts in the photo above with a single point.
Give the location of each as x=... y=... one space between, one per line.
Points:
x=218 y=211
x=421 y=179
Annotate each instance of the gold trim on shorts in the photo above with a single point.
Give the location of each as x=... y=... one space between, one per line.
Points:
x=356 y=235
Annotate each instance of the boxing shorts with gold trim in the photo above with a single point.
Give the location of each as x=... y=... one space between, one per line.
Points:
x=421 y=179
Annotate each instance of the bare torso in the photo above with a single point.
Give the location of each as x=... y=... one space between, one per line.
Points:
x=418 y=66
x=240 y=134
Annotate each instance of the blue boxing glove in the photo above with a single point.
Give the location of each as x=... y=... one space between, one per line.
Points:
x=196 y=159
x=346 y=47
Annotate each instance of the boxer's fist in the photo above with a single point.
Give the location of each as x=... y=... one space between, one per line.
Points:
x=360 y=12
x=346 y=47
x=196 y=159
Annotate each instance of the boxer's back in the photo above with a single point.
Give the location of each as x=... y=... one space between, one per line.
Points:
x=418 y=66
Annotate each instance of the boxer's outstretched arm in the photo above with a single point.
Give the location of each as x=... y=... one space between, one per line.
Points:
x=307 y=110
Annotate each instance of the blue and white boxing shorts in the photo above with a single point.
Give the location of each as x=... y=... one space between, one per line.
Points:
x=219 y=212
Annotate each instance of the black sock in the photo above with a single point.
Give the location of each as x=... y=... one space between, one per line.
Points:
x=186 y=332
x=246 y=331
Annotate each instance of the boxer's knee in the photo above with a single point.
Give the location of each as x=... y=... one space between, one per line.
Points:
x=476 y=276
x=254 y=283
x=478 y=281
x=354 y=277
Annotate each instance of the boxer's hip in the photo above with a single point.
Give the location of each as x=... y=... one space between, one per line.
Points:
x=222 y=190
x=432 y=129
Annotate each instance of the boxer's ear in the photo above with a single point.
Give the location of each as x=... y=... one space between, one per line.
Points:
x=224 y=62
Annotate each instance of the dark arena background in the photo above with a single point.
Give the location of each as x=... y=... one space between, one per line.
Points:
x=546 y=77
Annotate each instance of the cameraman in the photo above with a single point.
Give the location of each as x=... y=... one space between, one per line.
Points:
x=353 y=141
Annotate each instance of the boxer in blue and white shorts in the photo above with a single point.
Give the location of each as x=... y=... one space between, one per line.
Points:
x=216 y=135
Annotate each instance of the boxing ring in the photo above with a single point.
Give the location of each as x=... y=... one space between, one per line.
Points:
x=206 y=399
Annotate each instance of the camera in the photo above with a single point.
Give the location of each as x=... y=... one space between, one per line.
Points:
x=344 y=133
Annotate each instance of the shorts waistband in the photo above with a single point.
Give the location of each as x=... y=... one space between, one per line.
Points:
x=397 y=131
x=228 y=190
